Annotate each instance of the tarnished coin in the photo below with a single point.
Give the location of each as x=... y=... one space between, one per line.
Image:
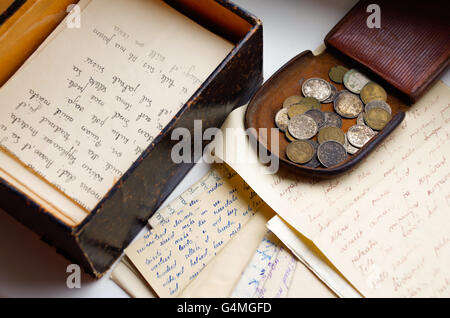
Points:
x=378 y=104
x=337 y=73
x=348 y=105
x=317 y=88
x=333 y=95
x=360 y=119
x=332 y=119
x=291 y=100
x=331 y=133
x=298 y=109
x=350 y=149
x=377 y=118
x=354 y=81
x=289 y=136
x=302 y=127
x=359 y=135
x=314 y=162
x=372 y=91
x=331 y=153
x=311 y=101
x=282 y=119
x=317 y=115
x=300 y=151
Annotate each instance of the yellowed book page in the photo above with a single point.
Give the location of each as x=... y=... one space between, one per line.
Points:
x=86 y=107
x=385 y=224
x=169 y=257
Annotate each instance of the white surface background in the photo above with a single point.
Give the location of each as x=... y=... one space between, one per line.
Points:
x=31 y=268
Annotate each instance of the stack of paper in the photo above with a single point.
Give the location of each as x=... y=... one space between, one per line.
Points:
x=381 y=230
x=384 y=226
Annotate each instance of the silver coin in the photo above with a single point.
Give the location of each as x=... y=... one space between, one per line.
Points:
x=331 y=153
x=317 y=115
x=333 y=95
x=354 y=81
x=359 y=135
x=350 y=149
x=360 y=119
x=302 y=127
x=317 y=88
x=332 y=119
x=378 y=104
x=282 y=119
x=348 y=105
x=314 y=163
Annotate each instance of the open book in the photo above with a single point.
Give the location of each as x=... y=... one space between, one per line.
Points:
x=381 y=230
x=95 y=95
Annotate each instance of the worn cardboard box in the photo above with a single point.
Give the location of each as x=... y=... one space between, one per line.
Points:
x=100 y=238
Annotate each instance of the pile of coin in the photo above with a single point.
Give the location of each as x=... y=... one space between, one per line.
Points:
x=302 y=120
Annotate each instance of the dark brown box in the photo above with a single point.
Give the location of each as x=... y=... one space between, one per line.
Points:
x=406 y=56
x=100 y=239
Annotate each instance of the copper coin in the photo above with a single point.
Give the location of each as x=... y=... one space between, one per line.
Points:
x=317 y=88
x=348 y=105
x=331 y=133
x=298 y=109
x=354 y=81
x=372 y=91
x=300 y=151
x=378 y=104
x=377 y=118
x=359 y=135
x=291 y=100
x=331 y=153
x=337 y=73
x=302 y=127
x=312 y=102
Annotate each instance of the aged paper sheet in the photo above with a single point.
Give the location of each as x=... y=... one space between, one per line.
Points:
x=312 y=258
x=221 y=275
x=130 y=280
x=218 y=278
x=274 y=272
x=79 y=122
x=171 y=256
x=384 y=225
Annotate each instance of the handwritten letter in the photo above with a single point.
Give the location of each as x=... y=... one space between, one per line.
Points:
x=171 y=256
x=85 y=108
x=384 y=225
x=270 y=272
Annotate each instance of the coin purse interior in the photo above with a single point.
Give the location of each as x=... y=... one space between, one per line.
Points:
x=288 y=81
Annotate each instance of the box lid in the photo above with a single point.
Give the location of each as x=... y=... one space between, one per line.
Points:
x=409 y=50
